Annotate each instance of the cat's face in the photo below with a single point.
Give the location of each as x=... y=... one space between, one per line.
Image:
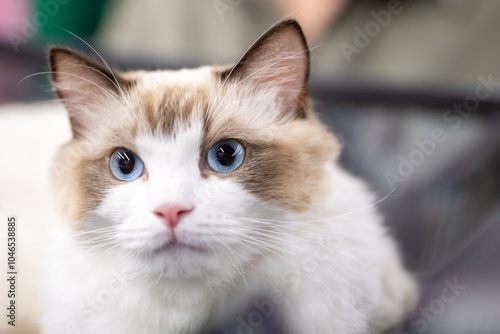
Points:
x=194 y=171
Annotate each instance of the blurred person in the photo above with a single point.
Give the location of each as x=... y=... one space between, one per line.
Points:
x=451 y=42
x=315 y=16
x=413 y=41
x=217 y=31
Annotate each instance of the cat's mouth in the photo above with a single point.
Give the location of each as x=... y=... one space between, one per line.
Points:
x=175 y=245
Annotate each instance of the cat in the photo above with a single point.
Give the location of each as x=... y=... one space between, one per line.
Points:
x=185 y=192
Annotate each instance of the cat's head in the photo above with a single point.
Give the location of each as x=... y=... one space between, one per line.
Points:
x=197 y=170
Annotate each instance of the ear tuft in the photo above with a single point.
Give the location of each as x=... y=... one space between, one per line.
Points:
x=83 y=85
x=279 y=59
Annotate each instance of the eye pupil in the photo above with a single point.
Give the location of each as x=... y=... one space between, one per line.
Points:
x=126 y=163
x=225 y=155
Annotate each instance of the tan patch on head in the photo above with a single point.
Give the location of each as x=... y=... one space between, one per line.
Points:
x=81 y=171
x=284 y=162
x=163 y=111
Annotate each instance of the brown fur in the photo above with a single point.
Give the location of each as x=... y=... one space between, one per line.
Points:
x=174 y=105
x=283 y=163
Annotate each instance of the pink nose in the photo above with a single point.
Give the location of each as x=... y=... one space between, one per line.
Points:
x=171 y=213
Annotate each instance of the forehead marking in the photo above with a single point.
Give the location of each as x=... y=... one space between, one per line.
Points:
x=169 y=100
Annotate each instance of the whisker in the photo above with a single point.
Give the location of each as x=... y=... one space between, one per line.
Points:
x=97 y=53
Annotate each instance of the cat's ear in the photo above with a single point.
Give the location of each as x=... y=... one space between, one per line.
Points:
x=84 y=86
x=279 y=59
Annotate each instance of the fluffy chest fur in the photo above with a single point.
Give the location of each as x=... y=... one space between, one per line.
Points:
x=325 y=265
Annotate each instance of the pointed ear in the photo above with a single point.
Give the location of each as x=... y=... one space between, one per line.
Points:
x=279 y=59
x=84 y=86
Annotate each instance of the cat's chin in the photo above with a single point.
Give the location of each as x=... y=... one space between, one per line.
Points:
x=180 y=260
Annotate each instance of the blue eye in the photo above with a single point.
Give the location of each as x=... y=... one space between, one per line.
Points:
x=125 y=165
x=225 y=156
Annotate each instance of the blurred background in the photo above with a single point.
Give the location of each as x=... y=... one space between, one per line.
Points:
x=412 y=88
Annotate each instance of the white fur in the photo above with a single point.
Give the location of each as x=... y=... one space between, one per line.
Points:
x=326 y=265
